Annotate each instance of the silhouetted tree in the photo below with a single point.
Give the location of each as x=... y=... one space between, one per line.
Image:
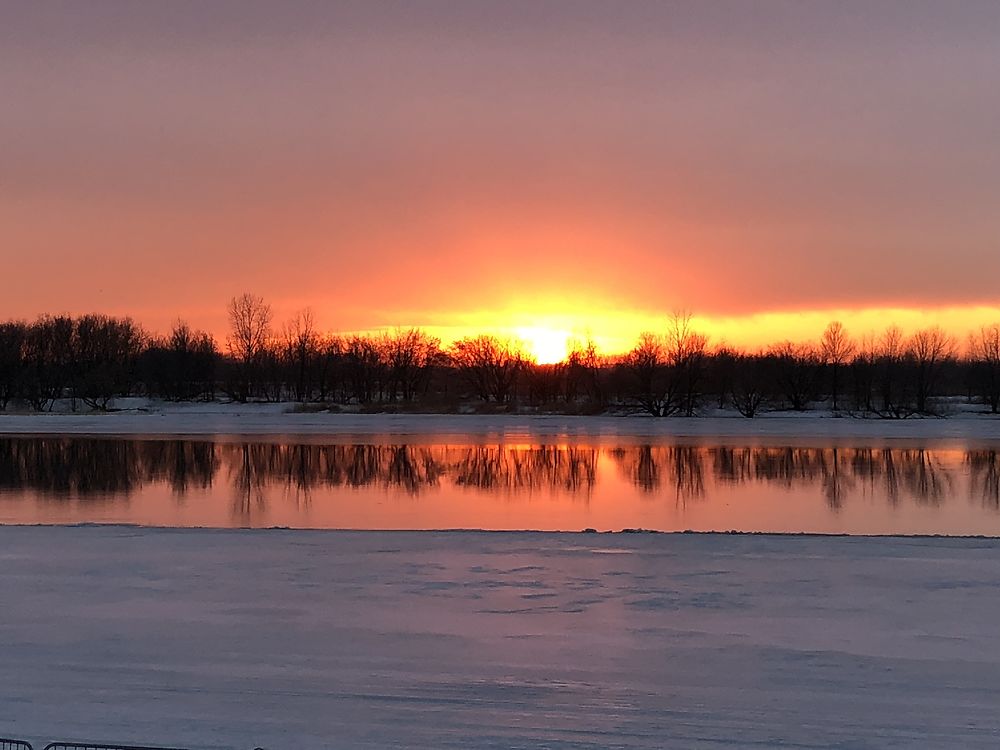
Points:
x=929 y=349
x=795 y=368
x=893 y=387
x=721 y=367
x=863 y=369
x=667 y=371
x=195 y=359
x=48 y=372
x=686 y=354
x=366 y=369
x=583 y=374
x=182 y=367
x=653 y=390
x=546 y=384
x=410 y=355
x=105 y=355
x=300 y=350
x=250 y=334
x=984 y=352
x=836 y=351
x=330 y=370
x=749 y=384
x=13 y=337
x=490 y=365
x=276 y=380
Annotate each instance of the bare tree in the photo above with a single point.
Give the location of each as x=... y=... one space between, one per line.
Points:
x=490 y=365
x=686 y=354
x=250 y=334
x=250 y=326
x=864 y=370
x=749 y=385
x=48 y=358
x=409 y=354
x=197 y=356
x=894 y=395
x=667 y=371
x=929 y=348
x=795 y=368
x=13 y=337
x=653 y=390
x=721 y=366
x=836 y=351
x=301 y=344
x=330 y=370
x=366 y=368
x=583 y=373
x=182 y=366
x=984 y=349
x=106 y=351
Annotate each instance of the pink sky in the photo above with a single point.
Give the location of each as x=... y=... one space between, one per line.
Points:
x=456 y=165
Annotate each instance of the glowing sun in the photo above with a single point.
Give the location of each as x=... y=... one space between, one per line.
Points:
x=547 y=346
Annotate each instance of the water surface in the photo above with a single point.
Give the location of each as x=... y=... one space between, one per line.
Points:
x=909 y=489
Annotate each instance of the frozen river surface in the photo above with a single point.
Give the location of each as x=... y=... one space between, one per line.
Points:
x=319 y=639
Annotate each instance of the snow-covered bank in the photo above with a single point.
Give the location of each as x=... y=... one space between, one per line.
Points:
x=277 y=420
x=229 y=639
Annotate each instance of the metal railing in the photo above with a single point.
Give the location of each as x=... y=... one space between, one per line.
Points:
x=8 y=744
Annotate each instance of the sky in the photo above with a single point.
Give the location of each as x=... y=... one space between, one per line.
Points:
x=542 y=168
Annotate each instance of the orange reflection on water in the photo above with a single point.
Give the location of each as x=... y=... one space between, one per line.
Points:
x=524 y=486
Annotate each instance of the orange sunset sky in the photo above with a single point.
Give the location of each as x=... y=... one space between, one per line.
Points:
x=546 y=169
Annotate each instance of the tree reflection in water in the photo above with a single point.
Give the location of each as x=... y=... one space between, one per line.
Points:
x=114 y=469
x=919 y=474
x=680 y=468
x=984 y=470
x=499 y=468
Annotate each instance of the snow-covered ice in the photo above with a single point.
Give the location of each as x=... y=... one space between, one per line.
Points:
x=293 y=639
x=278 y=421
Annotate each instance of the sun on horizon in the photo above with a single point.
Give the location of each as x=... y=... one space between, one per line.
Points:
x=547 y=346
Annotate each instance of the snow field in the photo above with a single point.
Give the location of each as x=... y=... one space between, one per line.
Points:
x=293 y=639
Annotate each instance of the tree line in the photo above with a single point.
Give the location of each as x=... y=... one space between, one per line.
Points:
x=94 y=359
